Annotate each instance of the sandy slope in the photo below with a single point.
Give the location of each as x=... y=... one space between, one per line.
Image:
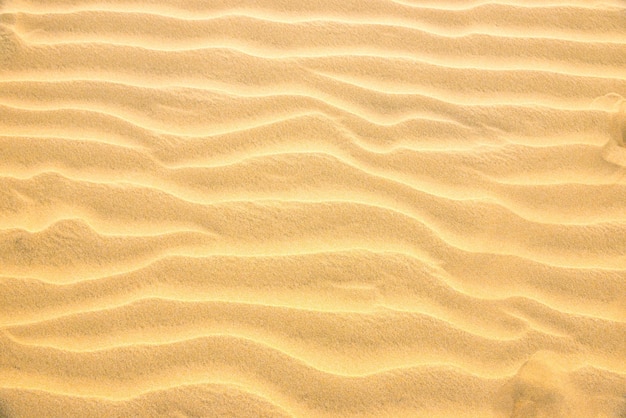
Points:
x=312 y=208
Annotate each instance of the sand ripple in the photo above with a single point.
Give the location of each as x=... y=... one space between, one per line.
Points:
x=382 y=208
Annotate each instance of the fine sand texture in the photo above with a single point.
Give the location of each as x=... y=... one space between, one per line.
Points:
x=313 y=208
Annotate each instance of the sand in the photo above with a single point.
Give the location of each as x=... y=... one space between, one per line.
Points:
x=382 y=208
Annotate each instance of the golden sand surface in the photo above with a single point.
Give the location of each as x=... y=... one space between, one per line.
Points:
x=313 y=208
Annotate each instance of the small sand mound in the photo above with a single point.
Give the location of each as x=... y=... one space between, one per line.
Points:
x=615 y=150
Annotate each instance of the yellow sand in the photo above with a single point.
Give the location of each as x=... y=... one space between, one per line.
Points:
x=364 y=208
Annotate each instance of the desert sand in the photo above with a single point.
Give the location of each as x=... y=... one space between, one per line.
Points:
x=355 y=208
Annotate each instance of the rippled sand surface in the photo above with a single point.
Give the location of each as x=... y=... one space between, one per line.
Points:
x=382 y=208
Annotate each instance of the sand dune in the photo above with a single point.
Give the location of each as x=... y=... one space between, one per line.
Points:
x=385 y=208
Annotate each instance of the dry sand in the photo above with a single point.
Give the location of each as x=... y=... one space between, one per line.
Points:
x=365 y=208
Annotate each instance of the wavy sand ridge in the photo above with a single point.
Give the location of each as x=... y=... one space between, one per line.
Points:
x=382 y=208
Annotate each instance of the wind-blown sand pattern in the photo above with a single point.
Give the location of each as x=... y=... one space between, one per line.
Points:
x=401 y=208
